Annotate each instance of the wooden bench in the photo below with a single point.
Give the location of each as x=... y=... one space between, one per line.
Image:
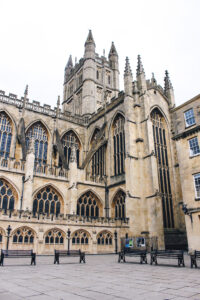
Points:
x=17 y=253
x=133 y=252
x=174 y=254
x=194 y=257
x=59 y=253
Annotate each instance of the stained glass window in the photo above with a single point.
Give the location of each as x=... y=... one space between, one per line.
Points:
x=5 y=135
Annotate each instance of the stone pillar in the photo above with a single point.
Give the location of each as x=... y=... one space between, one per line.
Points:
x=28 y=181
x=73 y=177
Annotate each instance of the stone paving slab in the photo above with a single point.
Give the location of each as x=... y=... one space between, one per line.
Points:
x=102 y=277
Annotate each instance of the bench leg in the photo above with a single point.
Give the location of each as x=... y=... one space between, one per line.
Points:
x=154 y=259
x=1 y=260
x=33 y=259
x=56 y=258
x=121 y=257
x=193 y=261
x=82 y=258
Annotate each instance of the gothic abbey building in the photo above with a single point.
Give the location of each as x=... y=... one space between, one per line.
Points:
x=102 y=167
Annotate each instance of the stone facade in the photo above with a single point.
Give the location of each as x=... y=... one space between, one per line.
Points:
x=187 y=136
x=103 y=167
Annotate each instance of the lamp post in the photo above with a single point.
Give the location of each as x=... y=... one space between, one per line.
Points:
x=68 y=237
x=115 y=235
x=8 y=236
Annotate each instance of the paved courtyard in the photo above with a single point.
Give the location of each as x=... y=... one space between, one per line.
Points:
x=100 y=278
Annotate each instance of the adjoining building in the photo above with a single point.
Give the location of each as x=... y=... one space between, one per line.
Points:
x=105 y=166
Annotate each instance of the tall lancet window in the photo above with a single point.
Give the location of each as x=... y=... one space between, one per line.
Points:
x=98 y=165
x=39 y=133
x=119 y=145
x=69 y=140
x=160 y=134
x=5 y=135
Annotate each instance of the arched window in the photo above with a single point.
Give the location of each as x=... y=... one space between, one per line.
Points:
x=5 y=135
x=160 y=134
x=39 y=133
x=88 y=205
x=1 y=235
x=8 y=195
x=54 y=236
x=119 y=205
x=23 y=235
x=119 y=145
x=98 y=159
x=80 y=237
x=104 y=238
x=68 y=140
x=47 y=201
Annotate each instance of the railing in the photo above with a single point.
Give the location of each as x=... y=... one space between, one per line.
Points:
x=47 y=170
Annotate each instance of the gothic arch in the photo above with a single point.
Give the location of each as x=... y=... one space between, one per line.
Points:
x=161 y=112
x=118 y=205
x=89 y=205
x=53 y=186
x=104 y=237
x=54 y=235
x=23 y=235
x=11 y=118
x=8 y=132
x=12 y=184
x=95 y=129
x=92 y=191
x=80 y=237
x=9 y=195
x=118 y=112
x=47 y=200
x=39 y=121
x=75 y=133
x=116 y=192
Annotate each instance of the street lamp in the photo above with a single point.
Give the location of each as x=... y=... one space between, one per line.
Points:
x=8 y=236
x=68 y=237
x=115 y=235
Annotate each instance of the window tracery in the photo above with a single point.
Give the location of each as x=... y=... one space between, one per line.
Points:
x=119 y=205
x=160 y=146
x=88 y=205
x=98 y=159
x=47 y=201
x=69 y=140
x=23 y=235
x=119 y=145
x=7 y=195
x=39 y=133
x=104 y=238
x=80 y=237
x=5 y=135
x=54 y=236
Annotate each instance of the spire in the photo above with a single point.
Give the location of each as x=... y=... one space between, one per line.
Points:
x=25 y=96
x=69 y=63
x=58 y=107
x=89 y=38
x=127 y=70
x=140 y=68
x=153 y=80
x=167 y=81
x=113 y=50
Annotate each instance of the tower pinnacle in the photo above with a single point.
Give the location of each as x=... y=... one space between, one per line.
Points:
x=168 y=84
x=168 y=90
x=127 y=70
x=89 y=38
x=113 y=50
x=70 y=62
x=140 y=68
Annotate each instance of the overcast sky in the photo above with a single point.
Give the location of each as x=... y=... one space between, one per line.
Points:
x=37 y=37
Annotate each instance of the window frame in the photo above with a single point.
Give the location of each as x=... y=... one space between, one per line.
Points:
x=196 y=196
x=186 y=123
x=190 y=150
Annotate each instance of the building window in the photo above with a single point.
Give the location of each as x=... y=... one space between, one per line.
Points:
x=104 y=238
x=80 y=237
x=197 y=185
x=160 y=146
x=47 y=201
x=119 y=205
x=23 y=235
x=97 y=74
x=54 y=236
x=5 y=135
x=98 y=159
x=88 y=205
x=69 y=140
x=189 y=117
x=39 y=133
x=119 y=145
x=108 y=79
x=194 y=146
x=7 y=196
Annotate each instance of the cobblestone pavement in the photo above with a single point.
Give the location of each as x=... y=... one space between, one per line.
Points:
x=102 y=277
